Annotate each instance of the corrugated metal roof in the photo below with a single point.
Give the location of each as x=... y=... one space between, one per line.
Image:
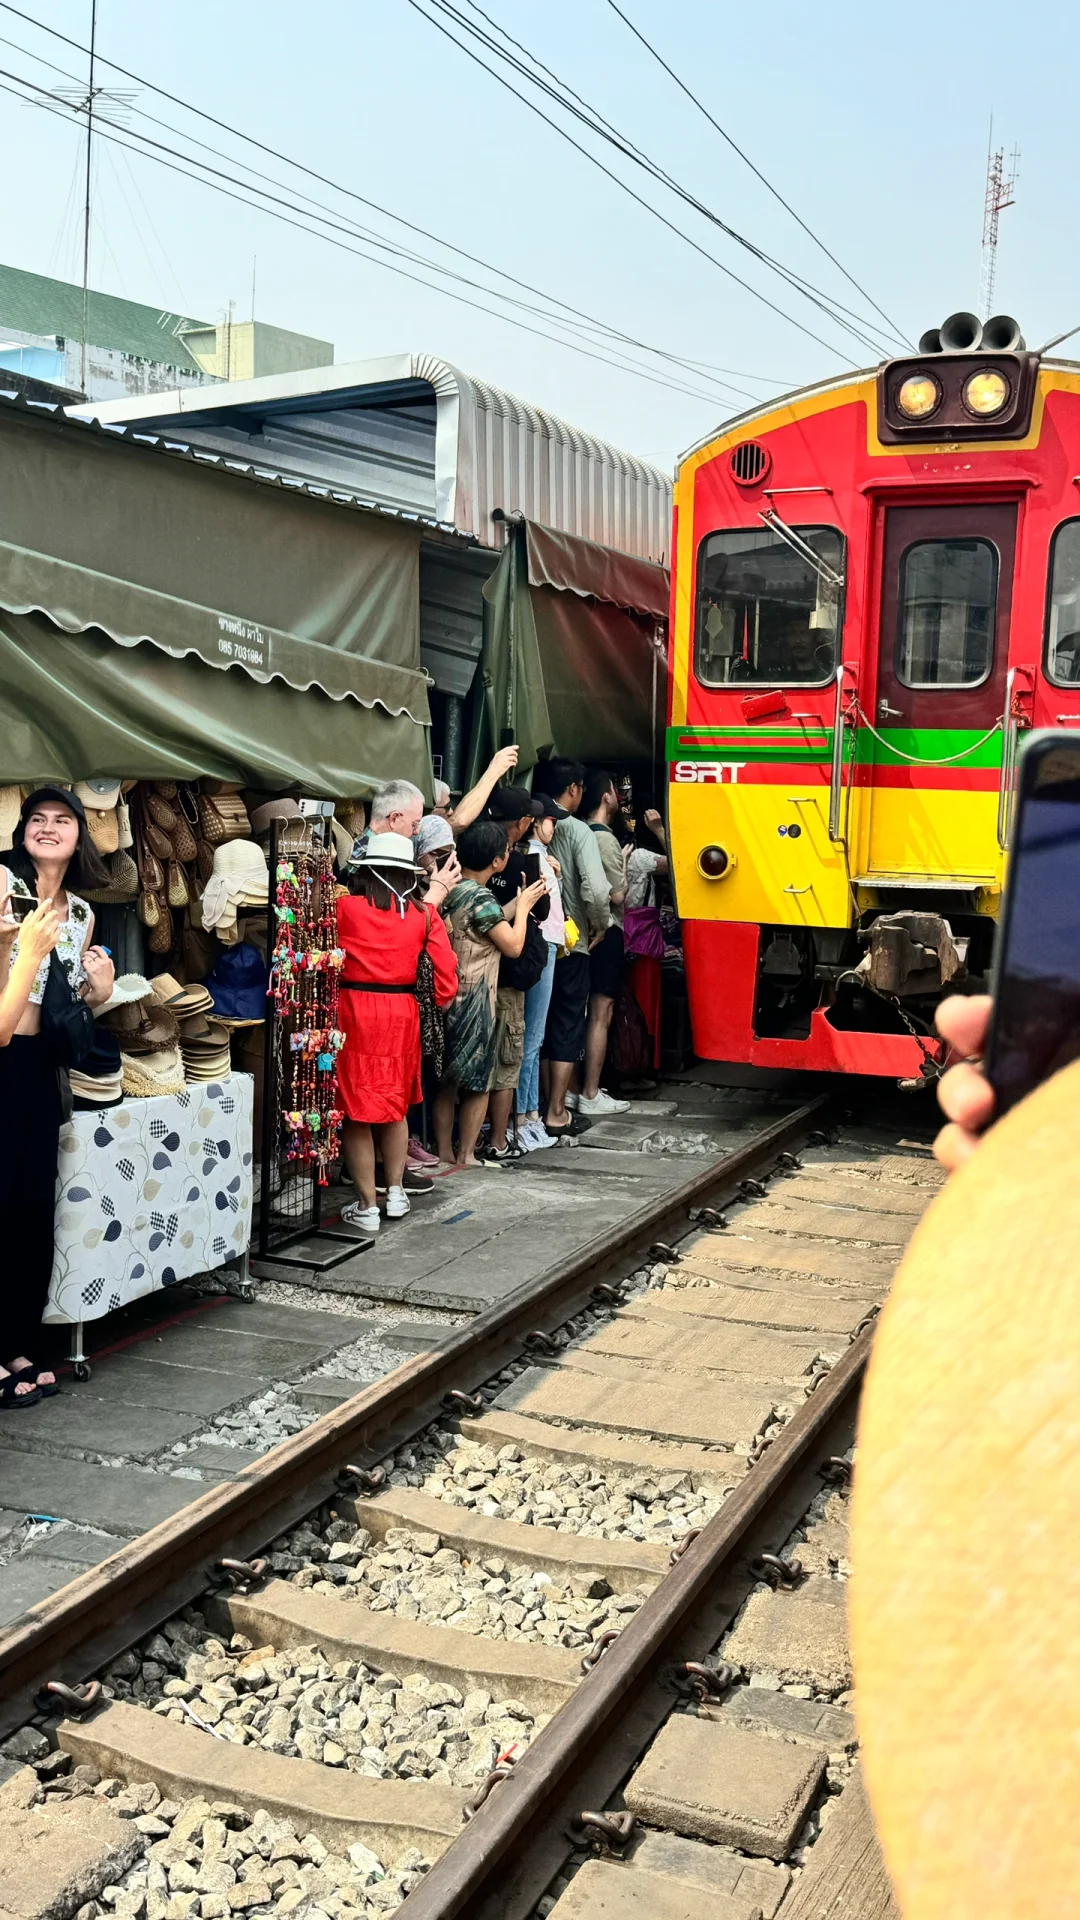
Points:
x=427 y=436
x=167 y=443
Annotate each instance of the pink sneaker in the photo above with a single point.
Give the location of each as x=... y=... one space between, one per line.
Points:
x=418 y=1156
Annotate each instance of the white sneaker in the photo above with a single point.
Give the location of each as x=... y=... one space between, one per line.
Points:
x=572 y=1100
x=366 y=1218
x=541 y=1136
x=397 y=1203
x=602 y=1103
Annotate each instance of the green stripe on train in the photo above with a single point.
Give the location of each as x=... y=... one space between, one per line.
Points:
x=951 y=747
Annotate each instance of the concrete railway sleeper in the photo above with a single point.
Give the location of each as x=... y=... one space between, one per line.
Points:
x=521 y=1672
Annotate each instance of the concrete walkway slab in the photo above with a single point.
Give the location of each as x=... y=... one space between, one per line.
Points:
x=325 y=1391
x=24 y=1582
x=273 y=1321
x=338 y=1806
x=133 y=1378
x=78 y=1421
x=54 y=1860
x=718 y=1414
x=74 y=1548
x=120 y=1500
x=718 y=1782
x=226 y=1350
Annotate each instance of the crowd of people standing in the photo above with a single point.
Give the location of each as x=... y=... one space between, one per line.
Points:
x=488 y=945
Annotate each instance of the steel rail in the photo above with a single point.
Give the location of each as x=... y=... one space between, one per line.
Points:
x=78 y=1629
x=617 y=1708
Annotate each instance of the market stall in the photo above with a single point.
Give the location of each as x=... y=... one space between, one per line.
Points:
x=194 y=649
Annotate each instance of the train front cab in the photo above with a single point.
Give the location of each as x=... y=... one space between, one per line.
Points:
x=861 y=633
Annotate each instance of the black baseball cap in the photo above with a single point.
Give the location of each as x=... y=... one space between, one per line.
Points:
x=513 y=803
x=61 y=794
x=549 y=809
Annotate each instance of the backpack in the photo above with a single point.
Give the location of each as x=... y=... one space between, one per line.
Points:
x=528 y=968
x=631 y=1048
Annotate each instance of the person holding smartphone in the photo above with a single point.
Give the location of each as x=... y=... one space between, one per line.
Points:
x=1029 y=1027
x=52 y=854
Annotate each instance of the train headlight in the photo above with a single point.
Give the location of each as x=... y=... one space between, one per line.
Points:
x=715 y=863
x=986 y=392
x=919 y=396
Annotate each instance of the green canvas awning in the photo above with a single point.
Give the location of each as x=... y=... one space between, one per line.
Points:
x=571 y=659
x=72 y=706
x=264 y=595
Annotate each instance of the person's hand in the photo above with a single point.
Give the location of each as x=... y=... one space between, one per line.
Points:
x=595 y=938
x=39 y=932
x=101 y=974
x=9 y=926
x=528 y=896
x=443 y=880
x=555 y=865
x=965 y=1094
x=654 y=822
x=503 y=761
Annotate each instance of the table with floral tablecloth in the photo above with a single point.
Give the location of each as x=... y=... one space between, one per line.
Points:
x=150 y=1193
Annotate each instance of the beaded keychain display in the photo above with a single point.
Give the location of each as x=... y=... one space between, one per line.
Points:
x=304 y=974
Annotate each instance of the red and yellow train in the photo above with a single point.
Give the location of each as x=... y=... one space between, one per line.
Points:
x=876 y=589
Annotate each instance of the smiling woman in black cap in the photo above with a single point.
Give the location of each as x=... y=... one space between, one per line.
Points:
x=52 y=854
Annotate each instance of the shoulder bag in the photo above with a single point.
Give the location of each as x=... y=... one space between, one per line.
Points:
x=66 y=1020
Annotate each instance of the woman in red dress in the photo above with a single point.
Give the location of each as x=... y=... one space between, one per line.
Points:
x=384 y=928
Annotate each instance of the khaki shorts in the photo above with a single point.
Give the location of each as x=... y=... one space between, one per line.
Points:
x=509 y=1039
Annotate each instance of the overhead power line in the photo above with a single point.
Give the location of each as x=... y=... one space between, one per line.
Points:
x=567 y=315
x=168 y=158
x=746 y=160
x=589 y=117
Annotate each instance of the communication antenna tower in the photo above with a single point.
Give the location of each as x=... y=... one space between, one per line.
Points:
x=1000 y=193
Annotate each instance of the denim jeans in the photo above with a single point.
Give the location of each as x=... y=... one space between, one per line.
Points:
x=537 y=1001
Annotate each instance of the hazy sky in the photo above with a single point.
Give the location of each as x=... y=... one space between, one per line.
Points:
x=871 y=121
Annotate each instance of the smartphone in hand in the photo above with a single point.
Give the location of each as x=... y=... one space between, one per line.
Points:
x=1035 y=1024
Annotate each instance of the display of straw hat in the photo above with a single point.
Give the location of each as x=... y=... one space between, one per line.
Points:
x=101 y=793
x=93 y=1090
x=127 y=989
x=205 y=1048
x=10 y=808
x=154 y=1027
x=181 y=1000
x=149 y=1074
x=272 y=810
x=239 y=879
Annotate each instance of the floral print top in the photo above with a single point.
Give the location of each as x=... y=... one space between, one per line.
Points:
x=70 y=942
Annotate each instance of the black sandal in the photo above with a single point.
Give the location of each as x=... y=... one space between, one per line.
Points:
x=46 y=1389
x=9 y=1398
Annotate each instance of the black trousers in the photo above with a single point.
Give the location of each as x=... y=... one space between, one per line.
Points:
x=29 y=1142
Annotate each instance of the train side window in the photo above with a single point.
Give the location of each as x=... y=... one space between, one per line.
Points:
x=1063 y=618
x=945 y=619
x=764 y=612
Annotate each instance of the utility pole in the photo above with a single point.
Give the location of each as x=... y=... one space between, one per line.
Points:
x=86 y=210
x=1000 y=193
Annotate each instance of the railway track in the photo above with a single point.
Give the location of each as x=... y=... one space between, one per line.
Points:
x=549 y=1620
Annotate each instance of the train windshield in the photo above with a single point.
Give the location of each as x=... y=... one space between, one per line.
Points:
x=1063 y=632
x=765 y=612
x=948 y=604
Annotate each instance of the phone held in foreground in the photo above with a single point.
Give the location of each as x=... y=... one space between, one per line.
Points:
x=1035 y=1024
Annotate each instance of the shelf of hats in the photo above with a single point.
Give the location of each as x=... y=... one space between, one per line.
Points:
x=157 y=1162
